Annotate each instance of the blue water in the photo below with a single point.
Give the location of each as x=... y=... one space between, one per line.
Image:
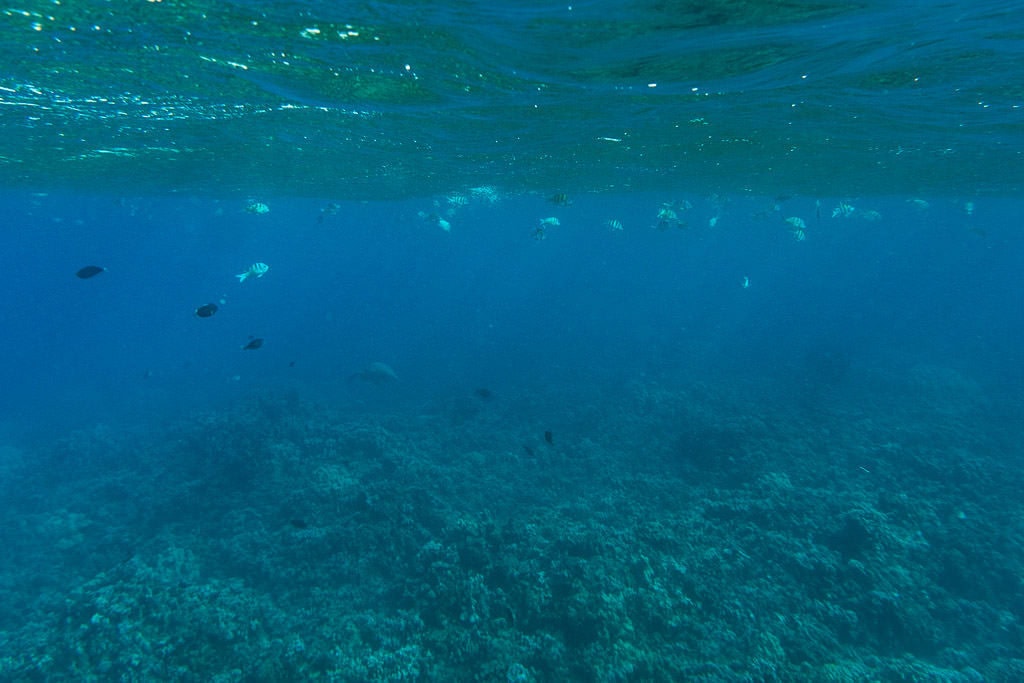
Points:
x=485 y=303
x=659 y=342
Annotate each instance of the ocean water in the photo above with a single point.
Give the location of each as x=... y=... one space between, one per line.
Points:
x=651 y=341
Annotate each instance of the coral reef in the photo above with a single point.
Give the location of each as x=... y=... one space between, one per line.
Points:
x=663 y=534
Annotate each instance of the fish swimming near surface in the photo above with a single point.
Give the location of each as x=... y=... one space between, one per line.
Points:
x=89 y=271
x=331 y=209
x=256 y=270
x=206 y=310
x=549 y=438
x=254 y=343
x=376 y=373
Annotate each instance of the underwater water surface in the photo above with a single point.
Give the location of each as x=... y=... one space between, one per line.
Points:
x=446 y=341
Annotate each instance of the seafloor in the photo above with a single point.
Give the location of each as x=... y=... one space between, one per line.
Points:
x=863 y=531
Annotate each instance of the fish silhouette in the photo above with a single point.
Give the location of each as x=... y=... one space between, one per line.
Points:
x=376 y=373
x=88 y=272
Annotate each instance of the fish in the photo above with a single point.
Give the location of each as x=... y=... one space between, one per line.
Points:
x=486 y=193
x=436 y=221
x=549 y=438
x=206 y=310
x=484 y=394
x=298 y=523
x=375 y=373
x=254 y=343
x=89 y=271
x=255 y=270
x=844 y=210
x=331 y=209
x=560 y=199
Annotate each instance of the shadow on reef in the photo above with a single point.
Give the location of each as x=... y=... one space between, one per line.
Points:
x=713 y=450
x=725 y=452
x=825 y=365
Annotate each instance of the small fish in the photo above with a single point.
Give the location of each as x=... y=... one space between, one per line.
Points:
x=436 y=221
x=331 y=209
x=254 y=343
x=298 y=523
x=376 y=373
x=614 y=224
x=668 y=218
x=486 y=193
x=255 y=270
x=484 y=394
x=549 y=438
x=89 y=271
x=541 y=231
x=529 y=451
x=844 y=210
x=560 y=199
x=258 y=208
x=206 y=310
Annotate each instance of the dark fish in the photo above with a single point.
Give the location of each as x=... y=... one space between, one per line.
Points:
x=89 y=271
x=549 y=438
x=331 y=209
x=484 y=394
x=298 y=523
x=206 y=310
x=560 y=199
x=529 y=451
x=254 y=343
